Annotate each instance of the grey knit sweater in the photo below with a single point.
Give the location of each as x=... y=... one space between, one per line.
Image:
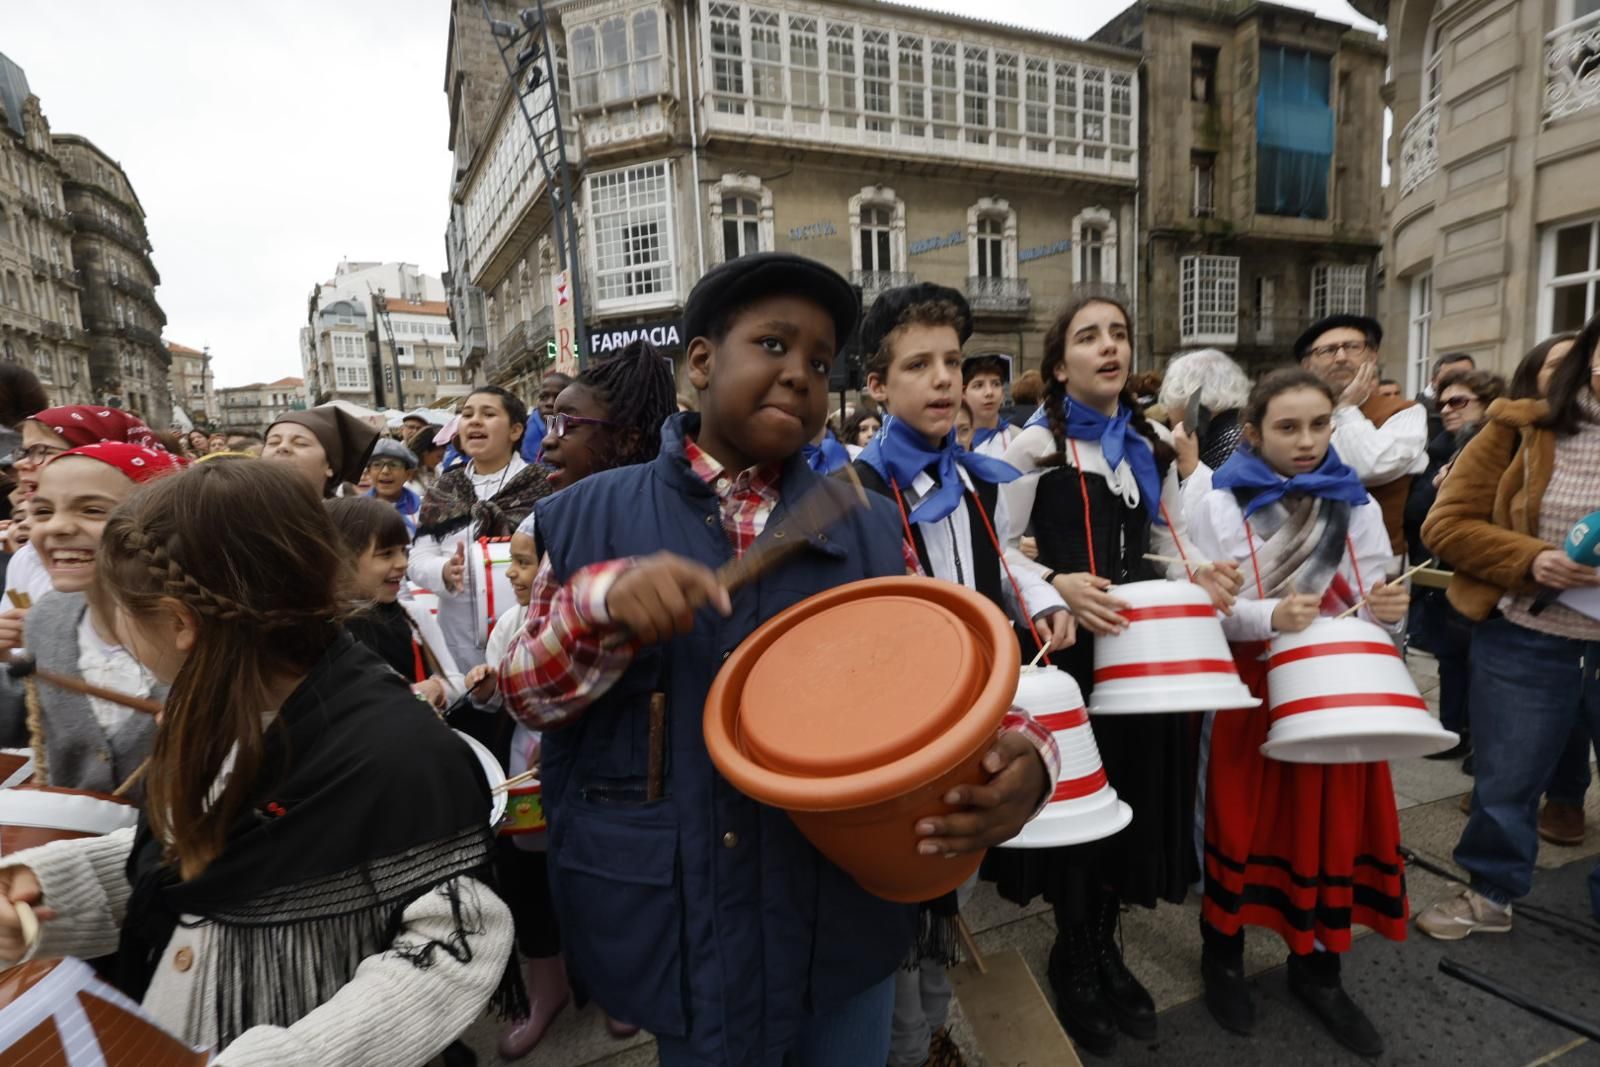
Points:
x=79 y=752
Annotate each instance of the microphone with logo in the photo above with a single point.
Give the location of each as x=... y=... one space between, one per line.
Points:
x=1582 y=546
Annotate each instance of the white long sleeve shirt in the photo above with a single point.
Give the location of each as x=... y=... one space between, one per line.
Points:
x=949 y=545
x=1035 y=442
x=1216 y=528
x=1380 y=454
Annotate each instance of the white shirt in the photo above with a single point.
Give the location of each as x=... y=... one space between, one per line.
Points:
x=995 y=447
x=26 y=573
x=949 y=545
x=110 y=667
x=1380 y=454
x=1216 y=529
x=1036 y=442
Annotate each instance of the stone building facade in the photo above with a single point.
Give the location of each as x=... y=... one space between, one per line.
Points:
x=1494 y=213
x=127 y=359
x=41 y=323
x=894 y=145
x=345 y=347
x=259 y=405
x=191 y=382
x=1261 y=197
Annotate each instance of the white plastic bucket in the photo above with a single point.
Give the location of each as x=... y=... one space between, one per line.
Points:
x=1172 y=657
x=1084 y=806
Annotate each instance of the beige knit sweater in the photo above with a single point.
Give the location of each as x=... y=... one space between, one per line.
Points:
x=390 y=1013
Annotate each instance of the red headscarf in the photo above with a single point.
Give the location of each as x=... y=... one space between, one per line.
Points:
x=138 y=463
x=85 y=424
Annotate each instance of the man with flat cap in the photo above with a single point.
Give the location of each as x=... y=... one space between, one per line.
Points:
x=1384 y=439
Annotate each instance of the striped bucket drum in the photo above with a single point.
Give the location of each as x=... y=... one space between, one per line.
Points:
x=58 y=1013
x=1172 y=657
x=1083 y=807
x=487 y=583
x=1340 y=692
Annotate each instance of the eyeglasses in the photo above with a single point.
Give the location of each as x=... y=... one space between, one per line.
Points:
x=34 y=454
x=560 y=423
x=1351 y=348
x=1456 y=403
x=384 y=466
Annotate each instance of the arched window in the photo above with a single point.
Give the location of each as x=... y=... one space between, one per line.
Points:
x=741 y=216
x=1094 y=235
x=878 y=231
x=991 y=239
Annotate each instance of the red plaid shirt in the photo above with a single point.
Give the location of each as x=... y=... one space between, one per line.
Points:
x=570 y=652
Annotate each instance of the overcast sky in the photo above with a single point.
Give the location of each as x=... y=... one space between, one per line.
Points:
x=268 y=141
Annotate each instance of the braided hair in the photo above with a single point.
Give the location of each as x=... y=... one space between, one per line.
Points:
x=1055 y=390
x=637 y=391
x=264 y=600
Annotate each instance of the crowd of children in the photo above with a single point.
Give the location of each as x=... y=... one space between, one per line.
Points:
x=315 y=877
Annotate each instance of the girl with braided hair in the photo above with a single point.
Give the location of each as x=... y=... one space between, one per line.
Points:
x=1099 y=490
x=610 y=416
x=83 y=742
x=308 y=879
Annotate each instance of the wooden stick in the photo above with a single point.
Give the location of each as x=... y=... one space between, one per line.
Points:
x=78 y=685
x=658 y=746
x=1156 y=557
x=820 y=509
x=19 y=600
x=971 y=945
x=515 y=780
x=1040 y=655
x=1352 y=609
x=132 y=779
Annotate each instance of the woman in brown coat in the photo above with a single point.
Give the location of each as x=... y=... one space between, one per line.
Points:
x=1512 y=497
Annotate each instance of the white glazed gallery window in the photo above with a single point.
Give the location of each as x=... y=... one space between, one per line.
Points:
x=1338 y=289
x=766 y=63
x=975 y=94
x=727 y=57
x=1208 y=300
x=877 y=99
x=630 y=212
x=805 y=70
x=842 y=102
x=1569 y=271
x=1419 y=338
x=913 y=87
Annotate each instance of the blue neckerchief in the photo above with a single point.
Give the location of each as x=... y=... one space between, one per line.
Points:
x=898 y=453
x=453 y=458
x=533 y=436
x=982 y=436
x=826 y=457
x=408 y=505
x=1245 y=470
x=1118 y=441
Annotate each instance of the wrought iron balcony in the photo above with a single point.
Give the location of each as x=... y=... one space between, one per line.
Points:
x=1572 y=68
x=875 y=282
x=55 y=330
x=1419 y=148
x=522 y=343
x=144 y=336
x=999 y=296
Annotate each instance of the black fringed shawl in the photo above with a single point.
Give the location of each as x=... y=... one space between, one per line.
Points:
x=367 y=803
x=453 y=503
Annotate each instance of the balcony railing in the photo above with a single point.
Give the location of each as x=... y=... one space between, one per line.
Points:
x=874 y=282
x=999 y=296
x=522 y=340
x=1419 y=148
x=92 y=223
x=1572 y=68
x=144 y=336
x=133 y=288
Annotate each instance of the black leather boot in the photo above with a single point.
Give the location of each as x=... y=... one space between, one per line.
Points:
x=1080 y=1003
x=1222 y=968
x=1314 y=978
x=1131 y=1004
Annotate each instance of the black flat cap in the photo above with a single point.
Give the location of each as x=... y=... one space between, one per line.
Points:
x=887 y=311
x=1366 y=324
x=731 y=285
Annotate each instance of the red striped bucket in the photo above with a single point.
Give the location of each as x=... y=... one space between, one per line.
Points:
x=1172 y=657
x=1341 y=693
x=1083 y=807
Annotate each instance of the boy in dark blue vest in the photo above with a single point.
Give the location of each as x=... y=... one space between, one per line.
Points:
x=704 y=916
x=954 y=519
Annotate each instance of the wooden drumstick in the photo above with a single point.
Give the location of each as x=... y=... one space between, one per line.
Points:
x=658 y=746
x=29 y=923
x=22 y=667
x=517 y=779
x=19 y=600
x=1353 y=608
x=819 y=509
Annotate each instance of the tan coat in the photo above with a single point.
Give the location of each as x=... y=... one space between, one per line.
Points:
x=1486 y=519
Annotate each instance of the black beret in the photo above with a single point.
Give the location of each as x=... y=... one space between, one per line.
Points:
x=887 y=311
x=736 y=283
x=1367 y=325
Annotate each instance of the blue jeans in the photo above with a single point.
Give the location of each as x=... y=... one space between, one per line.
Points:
x=855 y=1032
x=1571 y=779
x=1530 y=690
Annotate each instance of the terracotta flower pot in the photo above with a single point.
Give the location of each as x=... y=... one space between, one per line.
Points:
x=857 y=710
